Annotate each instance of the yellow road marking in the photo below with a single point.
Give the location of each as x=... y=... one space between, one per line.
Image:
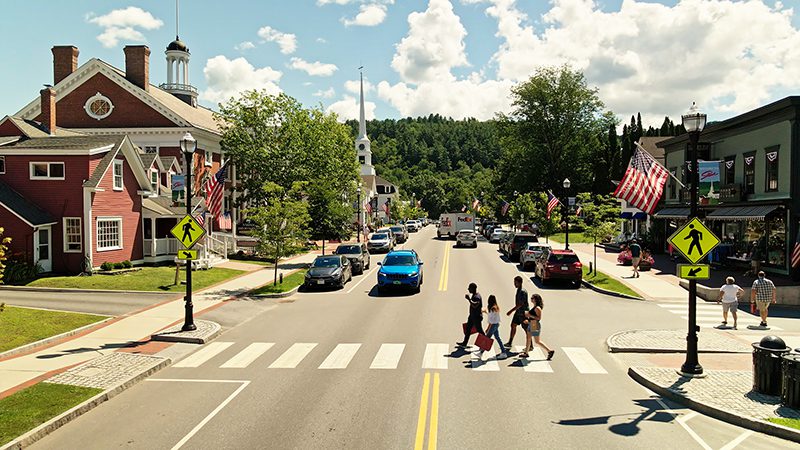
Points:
x=423 y=413
x=432 y=436
x=445 y=269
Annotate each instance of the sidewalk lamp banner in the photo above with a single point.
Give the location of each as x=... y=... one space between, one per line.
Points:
x=694 y=271
x=178 y=188
x=710 y=179
x=694 y=241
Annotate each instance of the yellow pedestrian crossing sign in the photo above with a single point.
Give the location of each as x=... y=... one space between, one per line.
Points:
x=694 y=240
x=187 y=255
x=694 y=271
x=188 y=231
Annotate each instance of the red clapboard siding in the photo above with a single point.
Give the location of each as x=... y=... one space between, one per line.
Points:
x=126 y=204
x=21 y=234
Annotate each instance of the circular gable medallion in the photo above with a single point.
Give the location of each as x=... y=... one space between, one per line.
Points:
x=98 y=106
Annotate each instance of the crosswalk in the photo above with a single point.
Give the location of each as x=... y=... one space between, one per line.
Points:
x=435 y=356
x=709 y=315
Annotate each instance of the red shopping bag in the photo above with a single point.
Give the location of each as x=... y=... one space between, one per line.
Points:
x=464 y=329
x=752 y=308
x=484 y=342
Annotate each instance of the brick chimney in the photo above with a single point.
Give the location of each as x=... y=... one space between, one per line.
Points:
x=48 y=117
x=65 y=61
x=137 y=65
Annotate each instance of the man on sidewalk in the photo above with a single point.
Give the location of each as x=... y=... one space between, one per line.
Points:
x=520 y=306
x=762 y=294
x=636 y=257
x=729 y=297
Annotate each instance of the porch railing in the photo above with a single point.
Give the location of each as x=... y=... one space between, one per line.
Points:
x=217 y=246
x=164 y=246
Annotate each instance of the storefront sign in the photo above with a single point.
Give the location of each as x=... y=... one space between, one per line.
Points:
x=709 y=172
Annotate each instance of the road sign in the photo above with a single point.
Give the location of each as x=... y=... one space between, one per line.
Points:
x=694 y=271
x=694 y=240
x=187 y=255
x=188 y=231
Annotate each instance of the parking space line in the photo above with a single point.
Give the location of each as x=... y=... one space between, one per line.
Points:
x=734 y=443
x=363 y=277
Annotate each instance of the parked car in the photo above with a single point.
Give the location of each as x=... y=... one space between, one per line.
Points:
x=503 y=242
x=400 y=233
x=380 y=242
x=466 y=238
x=517 y=242
x=357 y=254
x=646 y=263
x=388 y=231
x=532 y=251
x=329 y=271
x=496 y=234
x=559 y=265
x=400 y=268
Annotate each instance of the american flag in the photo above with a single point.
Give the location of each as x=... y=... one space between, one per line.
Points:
x=552 y=202
x=643 y=182
x=224 y=221
x=579 y=210
x=463 y=208
x=368 y=207
x=214 y=189
x=201 y=218
x=386 y=208
x=796 y=252
x=504 y=208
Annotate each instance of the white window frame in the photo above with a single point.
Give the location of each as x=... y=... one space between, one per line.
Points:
x=97 y=233
x=2 y=165
x=66 y=234
x=157 y=180
x=209 y=158
x=118 y=163
x=32 y=164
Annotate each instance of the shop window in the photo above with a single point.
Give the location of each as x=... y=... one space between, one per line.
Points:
x=2 y=164
x=47 y=171
x=209 y=158
x=730 y=170
x=771 y=165
x=109 y=233
x=750 y=173
x=73 y=243
x=117 y=174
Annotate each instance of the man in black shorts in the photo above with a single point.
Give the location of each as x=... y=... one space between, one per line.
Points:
x=475 y=317
x=520 y=306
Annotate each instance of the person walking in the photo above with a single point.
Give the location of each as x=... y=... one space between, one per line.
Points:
x=762 y=294
x=729 y=295
x=520 y=306
x=493 y=311
x=475 y=317
x=535 y=327
x=636 y=257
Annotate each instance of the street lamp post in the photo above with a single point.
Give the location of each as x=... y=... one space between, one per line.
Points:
x=516 y=193
x=358 y=232
x=693 y=121
x=566 y=185
x=188 y=146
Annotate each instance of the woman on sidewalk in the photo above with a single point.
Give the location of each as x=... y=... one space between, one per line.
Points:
x=493 y=311
x=535 y=327
x=729 y=297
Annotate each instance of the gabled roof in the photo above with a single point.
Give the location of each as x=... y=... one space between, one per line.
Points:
x=148 y=159
x=381 y=181
x=120 y=144
x=169 y=161
x=22 y=208
x=79 y=142
x=33 y=129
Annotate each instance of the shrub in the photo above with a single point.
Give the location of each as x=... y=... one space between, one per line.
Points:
x=18 y=271
x=106 y=266
x=119 y=265
x=127 y=264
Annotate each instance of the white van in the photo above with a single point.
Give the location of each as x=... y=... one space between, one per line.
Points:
x=451 y=223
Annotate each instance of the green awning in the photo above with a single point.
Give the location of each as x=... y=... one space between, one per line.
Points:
x=742 y=212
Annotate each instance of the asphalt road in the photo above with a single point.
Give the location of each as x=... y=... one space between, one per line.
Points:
x=351 y=369
x=108 y=304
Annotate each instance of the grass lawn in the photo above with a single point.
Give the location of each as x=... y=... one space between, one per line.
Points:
x=574 y=238
x=147 y=279
x=28 y=408
x=20 y=326
x=791 y=423
x=289 y=282
x=603 y=281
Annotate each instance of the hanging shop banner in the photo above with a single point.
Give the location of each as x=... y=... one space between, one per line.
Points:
x=178 y=188
x=708 y=189
x=709 y=171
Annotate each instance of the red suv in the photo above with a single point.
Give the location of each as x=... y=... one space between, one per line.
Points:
x=559 y=265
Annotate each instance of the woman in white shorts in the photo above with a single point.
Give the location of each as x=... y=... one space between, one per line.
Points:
x=729 y=295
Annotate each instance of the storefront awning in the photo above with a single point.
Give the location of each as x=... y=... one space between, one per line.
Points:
x=625 y=215
x=641 y=215
x=742 y=212
x=672 y=213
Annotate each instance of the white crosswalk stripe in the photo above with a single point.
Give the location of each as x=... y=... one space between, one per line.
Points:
x=292 y=357
x=484 y=361
x=435 y=356
x=245 y=357
x=388 y=356
x=204 y=354
x=340 y=357
x=583 y=360
x=710 y=315
x=537 y=362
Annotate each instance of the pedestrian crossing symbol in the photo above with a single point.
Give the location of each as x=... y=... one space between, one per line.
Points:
x=694 y=240
x=188 y=231
x=694 y=271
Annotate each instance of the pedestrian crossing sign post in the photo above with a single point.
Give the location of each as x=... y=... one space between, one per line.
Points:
x=694 y=271
x=188 y=231
x=187 y=255
x=694 y=241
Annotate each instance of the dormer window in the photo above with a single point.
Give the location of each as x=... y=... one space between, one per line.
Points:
x=47 y=170
x=154 y=181
x=117 y=174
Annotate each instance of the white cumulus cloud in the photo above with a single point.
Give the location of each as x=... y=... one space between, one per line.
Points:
x=123 y=25
x=316 y=68
x=354 y=86
x=226 y=78
x=368 y=15
x=286 y=41
x=347 y=108
x=246 y=45
x=327 y=93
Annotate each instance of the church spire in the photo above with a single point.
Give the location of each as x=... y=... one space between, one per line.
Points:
x=362 y=122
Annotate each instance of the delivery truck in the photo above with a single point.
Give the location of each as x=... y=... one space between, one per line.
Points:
x=451 y=223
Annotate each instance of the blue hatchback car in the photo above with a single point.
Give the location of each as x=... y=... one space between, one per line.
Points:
x=400 y=268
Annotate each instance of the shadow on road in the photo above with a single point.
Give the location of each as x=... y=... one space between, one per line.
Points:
x=653 y=411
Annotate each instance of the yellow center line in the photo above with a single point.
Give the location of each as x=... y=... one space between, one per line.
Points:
x=433 y=435
x=423 y=413
x=445 y=269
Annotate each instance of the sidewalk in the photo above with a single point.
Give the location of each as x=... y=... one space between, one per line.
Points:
x=18 y=372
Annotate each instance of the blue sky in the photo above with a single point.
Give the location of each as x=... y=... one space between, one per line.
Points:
x=453 y=57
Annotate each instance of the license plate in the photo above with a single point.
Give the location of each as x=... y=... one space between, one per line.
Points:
x=320 y=281
x=564 y=268
x=396 y=282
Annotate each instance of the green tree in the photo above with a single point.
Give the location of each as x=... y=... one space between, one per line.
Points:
x=4 y=241
x=280 y=221
x=332 y=216
x=600 y=217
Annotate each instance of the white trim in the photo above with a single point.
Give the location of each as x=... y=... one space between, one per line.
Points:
x=97 y=226
x=88 y=106
x=47 y=177
x=157 y=173
x=37 y=243
x=11 y=151
x=121 y=164
x=87 y=225
x=64 y=234
x=3 y=165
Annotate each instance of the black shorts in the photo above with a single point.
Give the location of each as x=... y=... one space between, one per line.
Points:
x=518 y=319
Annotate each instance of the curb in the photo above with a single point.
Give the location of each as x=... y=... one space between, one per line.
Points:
x=761 y=426
x=81 y=291
x=278 y=295
x=42 y=342
x=614 y=349
x=64 y=418
x=611 y=293
x=167 y=336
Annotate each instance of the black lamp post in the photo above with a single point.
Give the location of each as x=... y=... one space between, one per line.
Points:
x=693 y=121
x=516 y=194
x=188 y=146
x=566 y=185
x=360 y=227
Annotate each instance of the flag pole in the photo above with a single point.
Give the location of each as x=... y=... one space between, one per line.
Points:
x=640 y=148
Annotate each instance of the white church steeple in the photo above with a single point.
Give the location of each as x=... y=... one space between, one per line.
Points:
x=362 y=142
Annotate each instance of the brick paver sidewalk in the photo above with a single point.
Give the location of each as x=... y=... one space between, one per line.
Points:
x=674 y=341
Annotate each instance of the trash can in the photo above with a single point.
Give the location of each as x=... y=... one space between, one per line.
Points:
x=790 y=393
x=767 y=365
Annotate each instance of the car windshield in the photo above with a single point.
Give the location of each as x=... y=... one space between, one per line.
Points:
x=558 y=258
x=397 y=229
x=348 y=249
x=464 y=232
x=378 y=237
x=327 y=262
x=400 y=260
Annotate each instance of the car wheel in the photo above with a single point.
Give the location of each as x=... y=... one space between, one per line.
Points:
x=381 y=290
x=577 y=284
